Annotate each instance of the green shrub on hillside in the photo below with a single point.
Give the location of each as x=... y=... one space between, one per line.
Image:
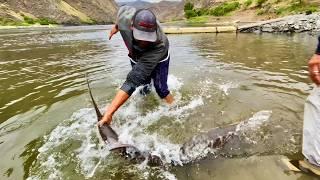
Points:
x=46 y=21
x=190 y=13
x=9 y=22
x=231 y=6
x=261 y=12
x=198 y=20
x=260 y=2
x=218 y=11
x=42 y=20
x=247 y=3
x=28 y=20
x=297 y=8
x=224 y=8
x=202 y=12
x=188 y=6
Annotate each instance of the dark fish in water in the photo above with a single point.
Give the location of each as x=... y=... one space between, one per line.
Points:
x=214 y=139
x=110 y=137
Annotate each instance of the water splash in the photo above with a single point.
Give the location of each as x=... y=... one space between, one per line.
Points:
x=199 y=146
x=74 y=141
x=227 y=86
x=254 y=122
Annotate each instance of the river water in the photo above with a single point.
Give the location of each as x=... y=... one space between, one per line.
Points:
x=47 y=128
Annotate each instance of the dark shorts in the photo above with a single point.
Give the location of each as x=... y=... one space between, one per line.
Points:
x=160 y=77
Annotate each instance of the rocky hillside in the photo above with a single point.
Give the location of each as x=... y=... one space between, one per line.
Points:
x=165 y=10
x=250 y=9
x=57 y=11
x=169 y=10
x=205 y=3
x=295 y=23
x=138 y=4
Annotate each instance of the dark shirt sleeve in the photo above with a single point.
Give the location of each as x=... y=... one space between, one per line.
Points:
x=141 y=72
x=318 y=48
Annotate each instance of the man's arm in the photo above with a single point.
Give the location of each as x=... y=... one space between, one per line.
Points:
x=139 y=75
x=314 y=66
x=120 y=98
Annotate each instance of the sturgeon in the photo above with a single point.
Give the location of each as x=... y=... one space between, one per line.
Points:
x=214 y=139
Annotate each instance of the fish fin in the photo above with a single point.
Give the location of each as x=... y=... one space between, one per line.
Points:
x=290 y=165
x=98 y=113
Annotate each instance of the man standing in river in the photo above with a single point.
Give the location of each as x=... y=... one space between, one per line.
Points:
x=148 y=52
x=314 y=66
x=311 y=124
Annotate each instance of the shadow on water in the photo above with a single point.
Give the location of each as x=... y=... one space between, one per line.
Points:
x=30 y=155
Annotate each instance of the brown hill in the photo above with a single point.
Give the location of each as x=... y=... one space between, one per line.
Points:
x=60 y=11
x=169 y=10
x=165 y=10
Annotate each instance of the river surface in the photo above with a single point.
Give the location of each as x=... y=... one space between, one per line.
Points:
x=47 y=123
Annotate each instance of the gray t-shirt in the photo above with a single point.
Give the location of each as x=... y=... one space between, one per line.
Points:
x=146 y=59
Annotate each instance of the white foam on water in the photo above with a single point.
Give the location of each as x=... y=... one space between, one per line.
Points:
x=199 y=151
x=255 y=121
x=81 y=127
x=206 y=86
x=131 y=126
x=169 y=176
x=51 y=167
x=227 y=86
x=133 y=131
x=174 y=83
x=249 y=129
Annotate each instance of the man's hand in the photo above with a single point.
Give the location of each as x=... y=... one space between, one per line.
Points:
x=105 y=120
x=113 y=31
x=314 y=69
x=118 y=100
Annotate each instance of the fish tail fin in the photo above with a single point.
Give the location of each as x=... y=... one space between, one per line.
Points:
x=98 y=113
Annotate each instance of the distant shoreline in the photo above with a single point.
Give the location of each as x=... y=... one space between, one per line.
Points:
x=49 y=26
x=31 y=26
x=288 y=24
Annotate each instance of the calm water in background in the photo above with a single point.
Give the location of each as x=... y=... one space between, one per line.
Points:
x=47 y=125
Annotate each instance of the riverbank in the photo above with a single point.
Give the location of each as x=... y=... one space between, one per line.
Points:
x=30 y=26
x=289 y=24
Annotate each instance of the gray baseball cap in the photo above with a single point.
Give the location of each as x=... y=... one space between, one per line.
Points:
x=145 y=26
